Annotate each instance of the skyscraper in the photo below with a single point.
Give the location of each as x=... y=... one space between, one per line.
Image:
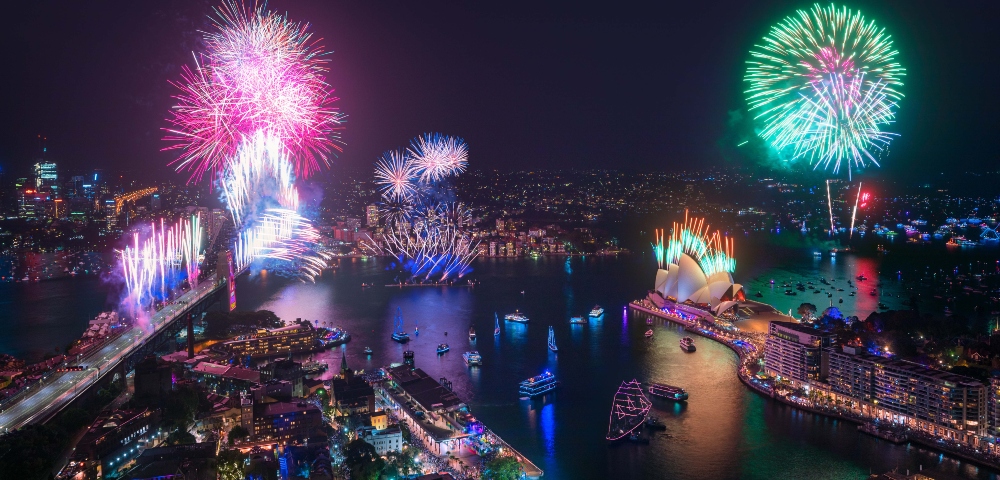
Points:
x=372 y=215
x=46 y=176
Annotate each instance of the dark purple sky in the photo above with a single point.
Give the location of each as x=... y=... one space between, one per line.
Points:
x=527 y=85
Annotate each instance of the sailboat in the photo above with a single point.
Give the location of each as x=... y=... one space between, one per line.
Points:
x=398 y=334
x=552 y=339
x=628 y=411
x=416 y=327
x=496 y=329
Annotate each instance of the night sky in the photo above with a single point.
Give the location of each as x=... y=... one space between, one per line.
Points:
x=527 y=85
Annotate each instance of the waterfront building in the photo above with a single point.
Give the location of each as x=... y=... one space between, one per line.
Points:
x=435 y=415
x=993 y=407
x=933 y=401
x=297 y=338
x=385 y=440
x=794 y=352
x=189 y=461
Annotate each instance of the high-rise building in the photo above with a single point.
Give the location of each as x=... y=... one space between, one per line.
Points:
x=793 y=352
x=371 y=215
x=46 y=176
x=993 y=407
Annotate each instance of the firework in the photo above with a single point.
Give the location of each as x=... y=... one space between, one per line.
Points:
x=396 y=175
x=824 y=85
x=259 y=72
x=432 y=245
x=854 y=212
x=281 y=235
x=712 y=251
x=261 y=172
x=438 y=156
x=152 y=262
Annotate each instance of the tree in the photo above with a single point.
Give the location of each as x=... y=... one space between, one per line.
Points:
x=230 y=465
x=363 y=461
x=237 y=433
x=401 y=463
x=807 y=311
x=180 y=437
x=502 y=468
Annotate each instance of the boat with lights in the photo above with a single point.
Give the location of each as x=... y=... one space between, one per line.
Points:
x=628 y=411
x=517 y=316
x=552 y=339
x=538 y=385
x=668 y=392
x=472 y=359
x=596 y=312
x=398 y=334
x=687 y=344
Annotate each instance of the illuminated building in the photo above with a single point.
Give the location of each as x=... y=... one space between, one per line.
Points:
x=933 y=401
x=351 y=394
x=993 y=407
x=298 y=338
x=115 y=438
x=794 y=352
x=384 y=441
x=371 y=215
x=285 y=421
x=437 y=418
x=46 y=176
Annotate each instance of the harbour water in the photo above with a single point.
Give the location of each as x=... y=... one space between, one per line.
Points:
x=724 y=431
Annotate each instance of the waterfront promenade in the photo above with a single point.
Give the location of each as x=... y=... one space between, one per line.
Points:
x=53 y=393
x=749 y=347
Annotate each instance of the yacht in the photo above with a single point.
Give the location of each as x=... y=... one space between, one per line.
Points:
x=577 y=320
x=368 y=351
x=596 y=312
x=538 y=385
x=472 y=334
x=517 y=316
x=687 y=344
x=443 y=347
x=649 y=333
x=669 y=392
x=472 y=359
x=398 y=334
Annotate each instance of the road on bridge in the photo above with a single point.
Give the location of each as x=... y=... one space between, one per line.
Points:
x=59 y=389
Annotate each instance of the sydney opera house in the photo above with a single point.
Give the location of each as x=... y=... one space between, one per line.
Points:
x=695 y=268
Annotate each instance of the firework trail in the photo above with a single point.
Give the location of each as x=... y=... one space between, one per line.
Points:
x=432 y=246
x=260 y=172
x=712 y=251
x=259 y=72
x=824 y=83
x=151 y=263
x=437 y=156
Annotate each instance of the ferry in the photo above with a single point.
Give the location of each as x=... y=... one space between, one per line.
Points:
x=669 y=392
x=517 y=316
x=472 y=359
x=368 y=351
x=552 y=339
x=687 y=344
x=538 y=385
x=577 y=320
x=443 y=347
x=596 y=312
x=472 y=334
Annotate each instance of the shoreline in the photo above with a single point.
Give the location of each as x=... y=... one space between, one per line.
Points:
x=760 y=390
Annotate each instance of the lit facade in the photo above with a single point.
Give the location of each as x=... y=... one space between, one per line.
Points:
x=794 y=352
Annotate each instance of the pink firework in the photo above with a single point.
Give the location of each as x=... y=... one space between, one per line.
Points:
x=438 y=156
x=260 y=72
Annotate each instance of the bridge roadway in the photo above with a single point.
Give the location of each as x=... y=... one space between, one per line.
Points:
x=59 y=389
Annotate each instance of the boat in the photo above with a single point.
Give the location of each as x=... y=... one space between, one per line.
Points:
x=649 y=333
x=687 y=344
x=538 y=385
x=368 y=351
x=472 y=359
x=817 y=254
x=496 y=328
x=552 y=339
x=649 y=321
x=654 y=423
x=416 y=329
x=517 y=316
x=472 y=334
x=668 y=392
x=577 y=320
x=443 y=347
x=628 y=411
x=398 y=334
x=596 y=312
x=758 y=294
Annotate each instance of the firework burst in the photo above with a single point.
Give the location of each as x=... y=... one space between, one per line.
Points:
x=396 y=176
x=437 y=156
x=259 y=72
x=824 y=84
